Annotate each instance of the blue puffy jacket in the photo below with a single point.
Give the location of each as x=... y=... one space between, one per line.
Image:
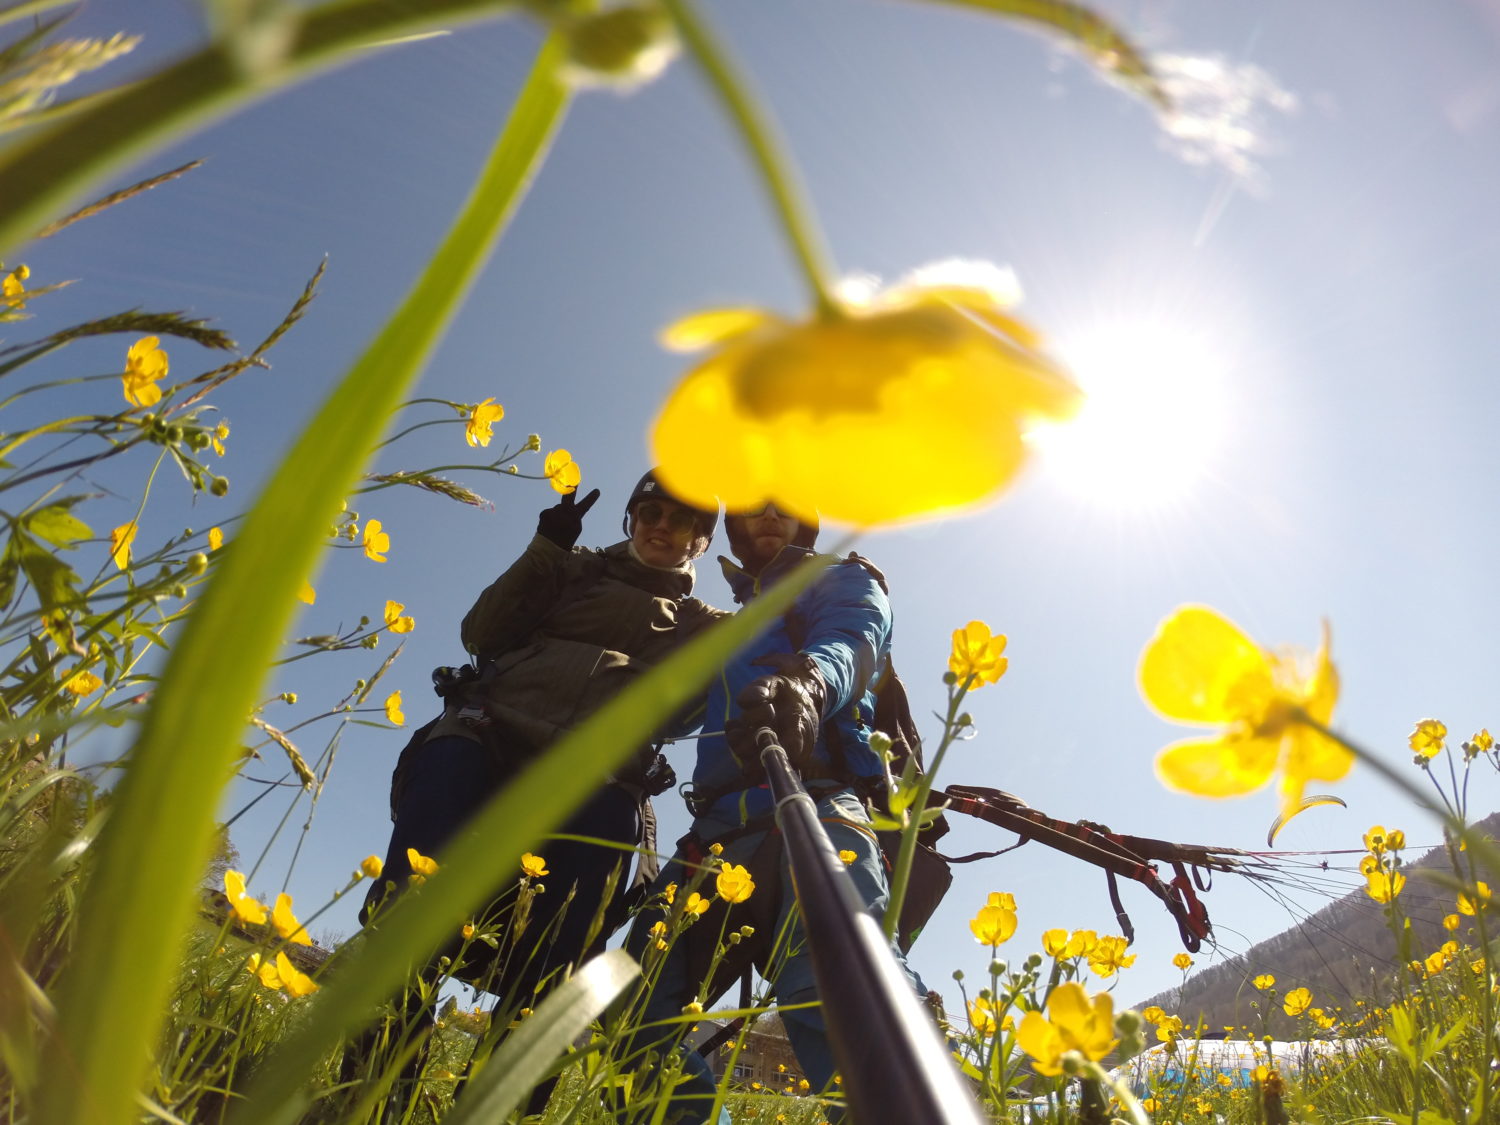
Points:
x=844 y=623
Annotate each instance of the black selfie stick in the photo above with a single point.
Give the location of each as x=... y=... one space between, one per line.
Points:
x=895 y=1067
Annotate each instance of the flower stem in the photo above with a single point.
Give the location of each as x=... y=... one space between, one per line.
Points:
x=1488 y=854
x=766 y=150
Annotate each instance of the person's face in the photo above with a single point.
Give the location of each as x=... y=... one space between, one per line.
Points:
x=664 y=533
x=766 y=532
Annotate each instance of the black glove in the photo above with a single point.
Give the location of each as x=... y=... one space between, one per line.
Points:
x=789 y=702
x=563 y=522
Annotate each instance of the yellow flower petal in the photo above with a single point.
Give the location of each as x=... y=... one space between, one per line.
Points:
x=1217 y=767
x=395 y=622
x=120 y=540
x=481 y=418
x=561 y=471
x=376 y=542
x=712 y=326
x=533 y=866
x=1201 y=668
x=911 y=405
x=393 y=713
x=307 y=594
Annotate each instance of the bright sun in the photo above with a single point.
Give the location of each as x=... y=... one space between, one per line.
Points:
x=1151 y=421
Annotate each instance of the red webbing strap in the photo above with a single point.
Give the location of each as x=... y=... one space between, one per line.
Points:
x=1103 y=849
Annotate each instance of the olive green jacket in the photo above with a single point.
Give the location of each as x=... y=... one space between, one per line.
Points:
x=560 y=633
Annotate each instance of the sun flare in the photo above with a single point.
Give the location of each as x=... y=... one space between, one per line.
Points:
x=1150 y=423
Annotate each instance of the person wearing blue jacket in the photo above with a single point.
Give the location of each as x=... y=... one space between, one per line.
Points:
x=810 y=677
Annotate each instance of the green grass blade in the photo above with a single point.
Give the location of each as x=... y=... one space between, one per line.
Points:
x=1101 y=41
x=517 y=817
x=529 y=1051
x=153 y=850
x=43 y=174
x=29 y=9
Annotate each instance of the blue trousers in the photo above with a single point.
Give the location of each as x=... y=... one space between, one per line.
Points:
x=451 y=780
x=787 y=967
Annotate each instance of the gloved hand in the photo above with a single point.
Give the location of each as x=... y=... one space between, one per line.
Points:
x=789 y=701
x=563 y=522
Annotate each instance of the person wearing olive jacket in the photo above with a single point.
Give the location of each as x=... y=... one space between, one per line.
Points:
x=554 y=637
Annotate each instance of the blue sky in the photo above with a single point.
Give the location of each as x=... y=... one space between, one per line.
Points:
x=1327 y=310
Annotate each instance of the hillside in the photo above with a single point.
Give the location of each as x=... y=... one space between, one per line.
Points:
x=1343 y=953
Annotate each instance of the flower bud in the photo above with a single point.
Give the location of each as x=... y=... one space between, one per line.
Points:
x=219 y=486
x=622 y=46
x=197 y=563
x=533 y=442
x=881 y=744
x=998 y=967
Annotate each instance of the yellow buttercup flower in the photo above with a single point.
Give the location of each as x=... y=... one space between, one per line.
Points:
x=1451 y=922
x=83 y=682
x=975 y=659
x=467 y=931
x=1003 y=899
x=296 y=982
x=561 y=471
x=246 y=908
x=1481 y=743
x=1082 y=942
x=120 y=540
x=734 y=883
x=376 y=542
x=1374 y=840
x=982 y=1016
x=264 y=969
x=12 y=291
x=1183 y=962
x=371 y=866
x=1470 y=904
x=393 y=713
x=395 y=622
x=1200 y=668
x=696 y=904
x=1297 y=1001
x=1427 y=738
x=993 y=925
x=670 y=893
x=286 y=922
x=903 y=403
x=421 y=866
x=145 y=363
x=481 y=418
x=307 y=594
x=215 y=538
x=1108 y=955
x=1264 y=981
x=1383 y=886
x=846 y=857
x=218 y=436
x=1055 y=942
x=533 y=866
x=1073 y=1023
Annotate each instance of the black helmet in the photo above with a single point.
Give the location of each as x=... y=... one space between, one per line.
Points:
x=806 y=537
x=649 y=488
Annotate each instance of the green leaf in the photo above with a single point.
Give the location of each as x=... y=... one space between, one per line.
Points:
x=52 y=578
x=1086 y=30
x=141 y=896
x=57 y=524
x=53 y=167
x=27 y=9
x=530 y=1050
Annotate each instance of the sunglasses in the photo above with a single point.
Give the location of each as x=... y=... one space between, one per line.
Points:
x=678 y=521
